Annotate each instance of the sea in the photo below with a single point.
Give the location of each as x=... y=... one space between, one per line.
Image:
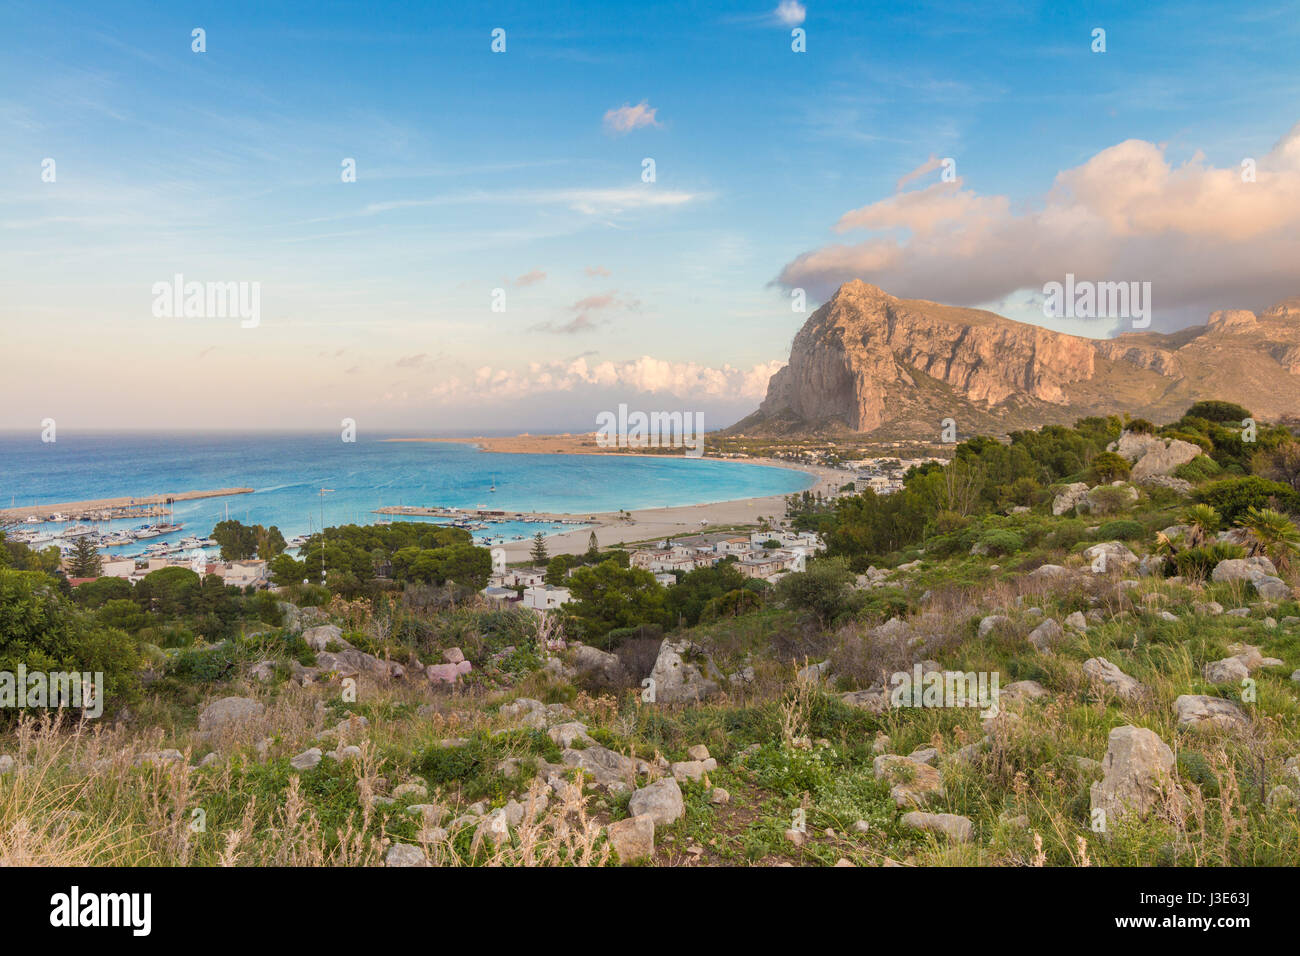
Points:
x=287 y=472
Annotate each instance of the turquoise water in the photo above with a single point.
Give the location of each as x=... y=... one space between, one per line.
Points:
x=287 y=472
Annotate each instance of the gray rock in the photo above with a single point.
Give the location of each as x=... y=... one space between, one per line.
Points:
x=319 y=638
x=956 y=828
x=1230 y=670
x=229 y=711
x=403 y=854
x=306 y=760
x=633 y=838
x=1045 y=635
x=993 y=622
x=1104 y=672
x=1137 y=770
x=1201 y=711
x=676 y=680
x=1068 y=497
x=662 y=800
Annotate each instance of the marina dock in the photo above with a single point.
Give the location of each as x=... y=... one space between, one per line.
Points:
x=110 y=509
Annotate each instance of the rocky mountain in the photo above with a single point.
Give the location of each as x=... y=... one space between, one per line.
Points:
x=869 y=362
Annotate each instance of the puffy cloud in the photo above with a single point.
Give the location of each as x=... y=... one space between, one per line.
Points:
x=685 y=380
x=790 y=13
x=1205 y=237
x=627 y=118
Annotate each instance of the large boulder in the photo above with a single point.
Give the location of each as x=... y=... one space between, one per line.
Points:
x=607 y=768
x=1243 y=569
x=319 y=638
x=633 y=838
x=591 y=660
x=1110 y=556
x=229 y=712
x=1045 y=635
x=1230 y=670
x=1152 y=455
x=675 y=679
x=1137 y=771
x=661 y=800
x=956 y=828
x=1102 y=671
x=994 y=622
x=914 y=784
x=1200 y=711
x=1068 y=497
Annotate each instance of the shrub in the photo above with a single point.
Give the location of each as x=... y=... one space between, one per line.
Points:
x=1201 y=468
x=1108 y=466
x=1121 y=530
x=1001 y=542
x=1200 y=562
x=1233 y=497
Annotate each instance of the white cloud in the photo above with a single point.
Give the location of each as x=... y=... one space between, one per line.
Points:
x=791 y=13
x=1201 y=235
x=627 y=118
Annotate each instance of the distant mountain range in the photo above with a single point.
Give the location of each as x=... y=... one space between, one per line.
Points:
x=868 y=362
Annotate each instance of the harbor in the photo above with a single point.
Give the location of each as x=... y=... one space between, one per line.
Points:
x=109 y=509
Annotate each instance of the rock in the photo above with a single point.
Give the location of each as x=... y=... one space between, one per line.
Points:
x=698 y=752
x=447 y=673
x=1271 y=588
x=413 y=789
x=816 y=673
x=861 y=826
x=1049 y=571
x=633 y=838
x=263 y=671
x=1163 y=459
x=1109 y=556
x=1104 y=672
x=688 y=770
x=956 y=828
x=1023 y=690
x=1207 y=608
x=1230 y=670
x=159 y=758
x=590 y=660
x=719 y=796
x=872 y=700
x=1167 y=481
x=7 y=763
x=1137 y=770
x=566 y=735
x=1068 y=497
x=994 y=622
x=607 y=768
x=306 y=760
x=1243 y=569
x=453 y=655
x=662 y=800
x=1200 y=711
x=228 y=712
x=1045 y=635
x=1098 y=500
x=913 y=784
x=1281 y=797
x=1077 y=622
x=676 y=680
x=797 y=837
x=403 y=854
x=292 y=616
x=319 y=638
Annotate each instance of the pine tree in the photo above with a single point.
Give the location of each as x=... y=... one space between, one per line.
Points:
x=85 y=562
x=540 y=555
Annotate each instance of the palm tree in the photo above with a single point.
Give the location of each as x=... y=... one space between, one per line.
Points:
x=1203 y=521
x=1271 y=534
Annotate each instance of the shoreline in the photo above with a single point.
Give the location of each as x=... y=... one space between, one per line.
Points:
x=644 y=524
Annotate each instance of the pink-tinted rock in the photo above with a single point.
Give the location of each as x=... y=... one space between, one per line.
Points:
x=447 y=673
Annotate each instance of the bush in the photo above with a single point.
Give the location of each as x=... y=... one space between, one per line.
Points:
x=1122 y=530
x=1233 y=497
x=1201 y=468
x=1200 y=562
x=1001 y=542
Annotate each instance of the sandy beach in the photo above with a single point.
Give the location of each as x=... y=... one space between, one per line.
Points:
x=646 y=524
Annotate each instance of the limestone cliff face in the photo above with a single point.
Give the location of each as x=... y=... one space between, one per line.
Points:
x=867 y=359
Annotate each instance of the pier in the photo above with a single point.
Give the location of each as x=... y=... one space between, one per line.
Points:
x=109 y=509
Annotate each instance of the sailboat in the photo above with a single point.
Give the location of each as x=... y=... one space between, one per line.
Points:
x=494 y=483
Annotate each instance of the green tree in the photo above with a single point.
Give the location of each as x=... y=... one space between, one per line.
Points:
x=824 y=590
x=1109 y=466
x=85 y=562
x=539 y=553
x=607 y=596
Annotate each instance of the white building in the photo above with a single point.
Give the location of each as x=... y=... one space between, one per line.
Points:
x=546 y=597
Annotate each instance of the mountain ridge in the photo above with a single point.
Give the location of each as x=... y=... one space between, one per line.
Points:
x=870 y=363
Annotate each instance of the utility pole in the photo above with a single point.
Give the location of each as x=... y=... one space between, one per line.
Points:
x=324 y=492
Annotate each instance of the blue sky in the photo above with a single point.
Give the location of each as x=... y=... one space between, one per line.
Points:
x=479 y=171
